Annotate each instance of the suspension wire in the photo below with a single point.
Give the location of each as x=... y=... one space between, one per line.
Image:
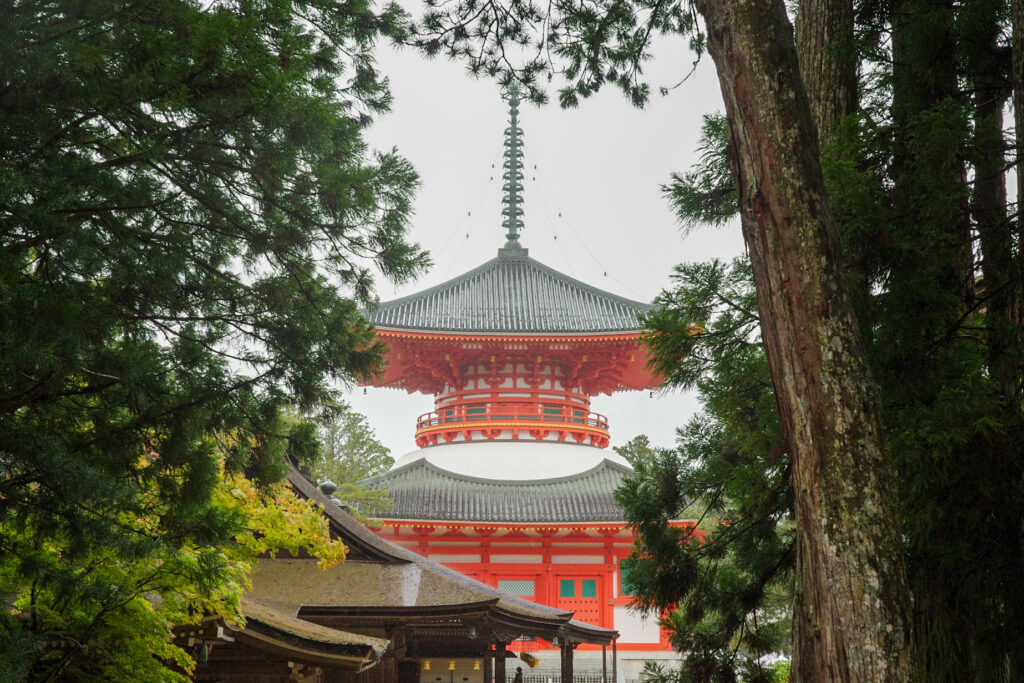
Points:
x=586 y=248
x=472 y=220
x=548 y=210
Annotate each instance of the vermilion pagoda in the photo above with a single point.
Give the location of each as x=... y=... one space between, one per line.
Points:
x=511 y=484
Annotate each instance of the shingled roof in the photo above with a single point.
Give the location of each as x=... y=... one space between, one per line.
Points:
x=422 y=490
x=511 y=293
x=387 y=581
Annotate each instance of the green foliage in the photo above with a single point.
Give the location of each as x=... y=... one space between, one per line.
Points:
x=109 y=615
x=595 y=42
x=780 y=671
x=189 y=222
x=637 y=450
x=352 y=453
x=939 y=334
x=726 y=589
x=656 y=672
x=753 y=672
x=705 y=195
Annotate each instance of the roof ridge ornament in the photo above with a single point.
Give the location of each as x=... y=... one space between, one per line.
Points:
x=512 y=176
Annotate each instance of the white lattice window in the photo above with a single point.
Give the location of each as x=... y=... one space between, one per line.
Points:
x=517 y=587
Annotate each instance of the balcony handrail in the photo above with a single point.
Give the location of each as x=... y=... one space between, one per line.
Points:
x=475 y=413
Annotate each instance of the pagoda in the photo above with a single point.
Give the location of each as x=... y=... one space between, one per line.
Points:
x=511 y=483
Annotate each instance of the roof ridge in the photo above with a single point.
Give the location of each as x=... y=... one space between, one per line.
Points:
x=423 y=463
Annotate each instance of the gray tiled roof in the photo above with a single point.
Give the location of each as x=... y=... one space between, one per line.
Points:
x=422 y=490
x=512 y=293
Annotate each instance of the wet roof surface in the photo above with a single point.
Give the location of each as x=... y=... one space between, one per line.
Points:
x=422 y=490
x=512 y=293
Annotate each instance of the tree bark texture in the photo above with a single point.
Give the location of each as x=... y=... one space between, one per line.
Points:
x=1016 y=227
x=828 y=62
x=989 y=201
x=851 y=610
x=924 y=74
x=1017 y=27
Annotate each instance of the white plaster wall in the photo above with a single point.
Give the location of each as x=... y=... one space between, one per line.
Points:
x=577 y=559
x=454 y=557
x=632 y=663
x=515 y=460
x=633 y=627
x=512 y=558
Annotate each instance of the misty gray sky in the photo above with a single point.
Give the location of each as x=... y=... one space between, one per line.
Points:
x=593 y=205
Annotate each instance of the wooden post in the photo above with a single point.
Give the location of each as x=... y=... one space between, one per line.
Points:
x=488 y=665
x=615 y=662
x=566 y=660
x=499 y=662
x=604 y=664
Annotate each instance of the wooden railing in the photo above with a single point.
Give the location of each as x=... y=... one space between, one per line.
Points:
x=549 y=414
x=556 y=677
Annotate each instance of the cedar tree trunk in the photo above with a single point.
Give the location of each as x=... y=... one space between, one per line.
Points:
x=828 y=62
x=851 y=612
x=989 y=200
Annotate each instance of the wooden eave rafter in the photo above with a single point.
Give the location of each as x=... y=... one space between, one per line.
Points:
x=372 y=613
x=353 y=657
x=287 y=644
x=420 y=361
x=488 y=616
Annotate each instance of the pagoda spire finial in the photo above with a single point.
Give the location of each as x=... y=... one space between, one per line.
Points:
x=513 y=167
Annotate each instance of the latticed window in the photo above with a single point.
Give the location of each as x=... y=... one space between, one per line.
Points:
x=519 y=588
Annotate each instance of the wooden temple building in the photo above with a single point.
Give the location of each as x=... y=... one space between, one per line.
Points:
x=511 y=483
x=385 y=615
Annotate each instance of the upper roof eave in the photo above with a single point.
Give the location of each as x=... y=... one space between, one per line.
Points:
x=597 y=335
x=407 y=313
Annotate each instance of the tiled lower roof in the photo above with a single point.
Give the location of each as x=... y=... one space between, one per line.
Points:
x=422 y=490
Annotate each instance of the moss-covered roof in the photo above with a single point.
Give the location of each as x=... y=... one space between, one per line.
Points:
x=392 y=578
x=269 y=619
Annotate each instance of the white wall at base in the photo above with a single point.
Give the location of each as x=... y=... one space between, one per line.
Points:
x=588 y=663
x=632 y=663
x=516 y=559
x=577 y=559
x=633 y=627
x=454 y=558
x=513 y=460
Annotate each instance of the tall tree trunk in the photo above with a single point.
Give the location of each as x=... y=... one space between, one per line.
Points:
x=828 y=62
x=993 y=619
x=1015 y=658
x=985 y=69
x=850 y=620
x=928 y=158
x=930 y=287
x=1017 y=226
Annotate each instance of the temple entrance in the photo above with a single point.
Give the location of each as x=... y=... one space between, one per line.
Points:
x=580 y=595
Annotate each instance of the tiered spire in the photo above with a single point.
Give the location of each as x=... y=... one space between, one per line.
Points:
x=513 y=176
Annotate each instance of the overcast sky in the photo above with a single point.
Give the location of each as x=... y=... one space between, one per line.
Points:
x=593 y=205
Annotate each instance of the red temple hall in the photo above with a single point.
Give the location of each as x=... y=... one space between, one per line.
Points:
x=512 y=482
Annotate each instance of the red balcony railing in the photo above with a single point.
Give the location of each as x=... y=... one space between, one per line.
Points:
x=473 y=414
